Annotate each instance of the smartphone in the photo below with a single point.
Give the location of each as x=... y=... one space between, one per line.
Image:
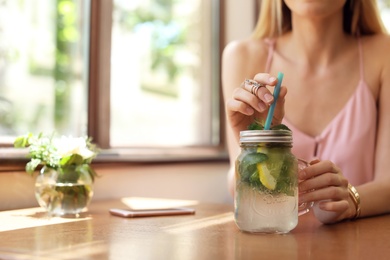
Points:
x=132 y=213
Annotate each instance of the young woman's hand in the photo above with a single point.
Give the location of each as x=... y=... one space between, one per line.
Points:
x=252 y=100
x=323 y=183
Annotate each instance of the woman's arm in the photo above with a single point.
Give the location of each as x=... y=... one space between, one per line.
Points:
x=233 y=73
x=240 y=61
x=375 y=195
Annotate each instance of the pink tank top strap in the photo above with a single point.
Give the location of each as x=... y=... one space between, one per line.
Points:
x=271 y=48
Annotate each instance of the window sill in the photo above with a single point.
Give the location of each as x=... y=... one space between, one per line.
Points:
x=15 y=159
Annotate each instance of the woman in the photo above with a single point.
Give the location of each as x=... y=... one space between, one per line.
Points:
x=336 y=65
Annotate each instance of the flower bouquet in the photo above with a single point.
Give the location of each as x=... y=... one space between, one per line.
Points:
x=65 y=182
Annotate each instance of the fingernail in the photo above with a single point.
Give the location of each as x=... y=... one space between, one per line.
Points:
x=268 y=97
x=314 y=161
x=249 y=111
x=262 y=107
x=272 y=79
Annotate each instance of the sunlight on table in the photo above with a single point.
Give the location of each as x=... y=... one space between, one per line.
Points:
x=200 y=223
x=31 y=217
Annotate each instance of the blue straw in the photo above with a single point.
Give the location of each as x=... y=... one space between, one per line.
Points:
x=272 y=108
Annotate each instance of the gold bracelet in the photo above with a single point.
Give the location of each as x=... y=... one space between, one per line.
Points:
x=356 y=200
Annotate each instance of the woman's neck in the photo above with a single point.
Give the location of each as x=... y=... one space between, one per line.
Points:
x=315 y=43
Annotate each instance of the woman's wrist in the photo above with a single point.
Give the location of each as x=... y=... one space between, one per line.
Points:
x=353 y=193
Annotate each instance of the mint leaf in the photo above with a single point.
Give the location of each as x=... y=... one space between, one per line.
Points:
x=255 y=126
x=281 y=127
x=247 y=167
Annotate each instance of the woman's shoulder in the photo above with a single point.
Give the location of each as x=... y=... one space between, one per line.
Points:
x=376 y=58
x=377 y=43
x=249 y=44
x=247 y=50
x=376 y=50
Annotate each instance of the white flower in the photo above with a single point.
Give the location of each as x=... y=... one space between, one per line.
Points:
x=57 y=152
x=70 y=145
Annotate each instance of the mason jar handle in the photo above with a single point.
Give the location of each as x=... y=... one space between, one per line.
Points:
x=305 y=207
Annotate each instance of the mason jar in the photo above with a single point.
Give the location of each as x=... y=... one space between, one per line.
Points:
x=266 y=192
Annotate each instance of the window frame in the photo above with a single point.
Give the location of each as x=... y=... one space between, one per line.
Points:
x=98 y=71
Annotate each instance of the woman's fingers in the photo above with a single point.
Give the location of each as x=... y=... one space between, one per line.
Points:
x=323 y=180
x=257 y=87
x=335 y=206
x=321 y=175
x=333 y=193
x=318 y=168
x=255 y=94
x=266 y=79
x=259 y=90
x=238 y=106
x=244 y=95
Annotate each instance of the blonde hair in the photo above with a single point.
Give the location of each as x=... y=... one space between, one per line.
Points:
x=361 y=17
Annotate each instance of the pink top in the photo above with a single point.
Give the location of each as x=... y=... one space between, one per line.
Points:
x=349 y=139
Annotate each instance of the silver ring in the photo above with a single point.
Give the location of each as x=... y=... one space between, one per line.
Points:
x=254 y=89
x=255 y=86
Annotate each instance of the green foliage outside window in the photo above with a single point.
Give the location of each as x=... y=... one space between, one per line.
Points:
x=66 y=35
x=167 y=36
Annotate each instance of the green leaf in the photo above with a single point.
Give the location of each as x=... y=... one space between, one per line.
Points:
x=253 y=158
x=90 y=170
x=32 y=165
x=247 y=172
x=68 y=174
x=286 y=181
x=74 y=159
x=281 y=127
x=255 y=126
x=255 y=179
x=92 y=173
x=21 y=142
x=248 y=165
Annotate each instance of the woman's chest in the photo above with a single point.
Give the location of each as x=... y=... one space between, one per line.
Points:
x=313 y=103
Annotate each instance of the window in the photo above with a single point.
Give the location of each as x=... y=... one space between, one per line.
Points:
x=384 y=7
x=132 y=74
x=164 y=73
x=43 y=51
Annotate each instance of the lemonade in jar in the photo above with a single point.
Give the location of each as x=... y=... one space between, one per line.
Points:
x=266 y=194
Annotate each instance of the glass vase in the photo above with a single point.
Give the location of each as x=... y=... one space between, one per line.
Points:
x=64 y=191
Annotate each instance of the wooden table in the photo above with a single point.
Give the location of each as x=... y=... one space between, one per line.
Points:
x=209 y=234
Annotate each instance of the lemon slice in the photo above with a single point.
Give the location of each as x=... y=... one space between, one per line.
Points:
x=265 y=176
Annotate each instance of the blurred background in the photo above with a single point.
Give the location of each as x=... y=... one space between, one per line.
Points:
x=162 y=68
x=141 y=77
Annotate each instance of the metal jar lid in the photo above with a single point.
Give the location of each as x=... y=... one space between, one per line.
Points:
x=266 y=136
